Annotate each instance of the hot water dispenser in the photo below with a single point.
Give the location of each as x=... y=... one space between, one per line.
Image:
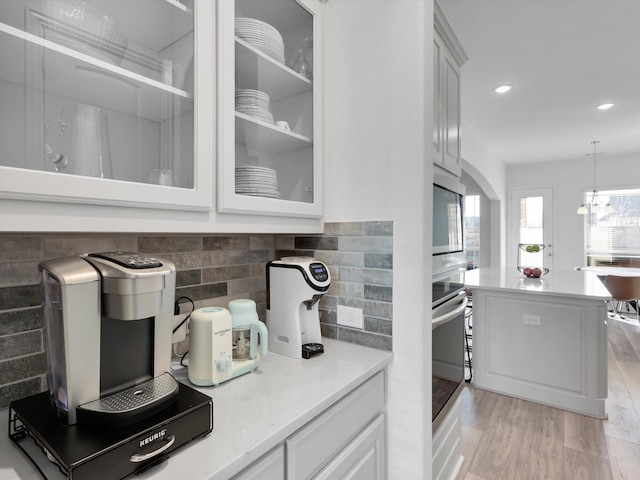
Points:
x=295 y=285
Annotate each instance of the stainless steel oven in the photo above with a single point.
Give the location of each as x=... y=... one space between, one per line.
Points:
x=449 y=298
x=447 y=342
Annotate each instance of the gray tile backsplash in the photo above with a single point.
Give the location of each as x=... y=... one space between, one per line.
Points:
x=211 y=270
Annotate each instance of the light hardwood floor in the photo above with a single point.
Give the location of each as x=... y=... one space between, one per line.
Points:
x=505 y=438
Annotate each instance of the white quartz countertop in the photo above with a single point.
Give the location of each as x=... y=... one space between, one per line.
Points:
x=252 y=413
x=571 y=283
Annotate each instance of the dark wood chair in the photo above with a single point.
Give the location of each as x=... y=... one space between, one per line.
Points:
x=623 y=290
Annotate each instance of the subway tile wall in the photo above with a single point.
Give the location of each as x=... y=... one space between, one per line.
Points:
x=210 y=269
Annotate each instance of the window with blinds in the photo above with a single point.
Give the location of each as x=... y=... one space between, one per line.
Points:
x=472 y=230
x=614 y=238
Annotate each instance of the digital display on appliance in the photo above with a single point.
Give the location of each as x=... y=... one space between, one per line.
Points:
x=319 y=272
x=447 y=221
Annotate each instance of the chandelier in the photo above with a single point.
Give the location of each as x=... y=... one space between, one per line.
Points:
x=595 y=203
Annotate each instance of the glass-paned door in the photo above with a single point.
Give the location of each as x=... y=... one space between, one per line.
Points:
x=270 y=113
x=472 y=230
x=531 y=224
x=96 y=89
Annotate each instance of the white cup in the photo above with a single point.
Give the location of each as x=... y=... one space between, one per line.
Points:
x=283 y=124
x=161 y=177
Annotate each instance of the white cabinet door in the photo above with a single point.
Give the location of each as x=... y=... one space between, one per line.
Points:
x=363 y=459
x=438 y=99
x=312 y=448
x=270 y=107
x=448 y=58
x=451 y=123
x=99 y=103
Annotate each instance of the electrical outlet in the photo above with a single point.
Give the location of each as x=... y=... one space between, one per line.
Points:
x=181 y=333
x=350 y=317
x=531 y=320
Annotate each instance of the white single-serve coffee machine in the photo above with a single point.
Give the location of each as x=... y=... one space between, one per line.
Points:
x=295 y=285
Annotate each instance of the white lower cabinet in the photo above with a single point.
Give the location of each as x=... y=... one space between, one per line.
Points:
x=313 y=447
x=447 y=445
x=363 y=459
x=268 y=467
x=346 y=441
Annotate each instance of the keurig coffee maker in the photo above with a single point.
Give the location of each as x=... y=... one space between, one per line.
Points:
x=294 y=287
x=109 y=321
x=113 y=407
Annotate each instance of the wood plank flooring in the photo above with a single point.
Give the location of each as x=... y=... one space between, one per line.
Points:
x=505 y=438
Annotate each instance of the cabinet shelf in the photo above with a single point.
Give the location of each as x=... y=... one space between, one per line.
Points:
x=266 y=137
x=70 y=65
x=258 y=71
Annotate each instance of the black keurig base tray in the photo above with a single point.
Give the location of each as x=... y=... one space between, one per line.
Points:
x=82 y=452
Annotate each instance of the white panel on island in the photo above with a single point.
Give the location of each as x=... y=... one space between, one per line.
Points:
x=541 y=339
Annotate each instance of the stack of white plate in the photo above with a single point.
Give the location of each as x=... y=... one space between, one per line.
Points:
x=257 y=181
x=254 y=103
x=262 y=36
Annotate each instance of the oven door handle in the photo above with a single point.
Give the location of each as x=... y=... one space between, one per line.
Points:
x=450 y=315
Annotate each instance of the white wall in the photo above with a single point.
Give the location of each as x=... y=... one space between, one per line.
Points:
x=490 y=175
x=486 y=242
x=570 y=179
x=378 y=119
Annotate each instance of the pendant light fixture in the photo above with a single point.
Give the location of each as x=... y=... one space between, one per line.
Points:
x=595 y=203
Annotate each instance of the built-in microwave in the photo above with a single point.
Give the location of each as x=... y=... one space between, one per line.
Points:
x=447 y=218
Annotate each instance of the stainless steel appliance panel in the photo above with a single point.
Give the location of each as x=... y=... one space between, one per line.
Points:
x=447 y=355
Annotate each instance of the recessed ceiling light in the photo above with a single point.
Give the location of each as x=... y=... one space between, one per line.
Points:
x=503 y=89
x=605 y=106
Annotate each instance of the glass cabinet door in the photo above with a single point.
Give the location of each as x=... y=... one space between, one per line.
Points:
x=98 y=98
x=270 y=126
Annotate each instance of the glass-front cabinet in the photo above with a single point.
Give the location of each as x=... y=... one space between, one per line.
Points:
x=269 y=116
x=100 y=102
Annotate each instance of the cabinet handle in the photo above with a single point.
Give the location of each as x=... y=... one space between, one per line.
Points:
x=138 y=457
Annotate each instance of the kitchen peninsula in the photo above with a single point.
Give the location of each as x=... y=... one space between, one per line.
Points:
x=541 y=339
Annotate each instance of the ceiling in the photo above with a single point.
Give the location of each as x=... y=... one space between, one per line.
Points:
x=563 y=59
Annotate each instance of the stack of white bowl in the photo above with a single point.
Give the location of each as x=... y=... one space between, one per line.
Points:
x=257 y=181
x=254 y=103
x=262 y=36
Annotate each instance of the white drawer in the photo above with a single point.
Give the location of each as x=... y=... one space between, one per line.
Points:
x=270 y=466
x=310 y=449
